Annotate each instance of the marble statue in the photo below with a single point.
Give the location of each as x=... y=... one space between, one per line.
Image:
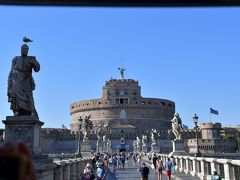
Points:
x=109 y=143
x=138 y=143
x=144 y=140
x=154 y=136
x=21 y=83
x=176 y=126
x=105 y=140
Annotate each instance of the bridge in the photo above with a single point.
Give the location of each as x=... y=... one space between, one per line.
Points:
x=187 y=168
x=131 y=173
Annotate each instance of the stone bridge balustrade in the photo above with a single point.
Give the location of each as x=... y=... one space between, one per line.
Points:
x=68 y=169
x=203 y=167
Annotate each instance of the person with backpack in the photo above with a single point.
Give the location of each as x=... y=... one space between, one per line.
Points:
x=88 y=172
x=168 y=168
x=159 y=165
x=101 y=171
x=173 y=164
x=122 y=160
x=111 y=162
x=144 y=170
x=154 y=160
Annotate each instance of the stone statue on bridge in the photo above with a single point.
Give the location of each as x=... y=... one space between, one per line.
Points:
x=154 y=136
x=144 y=140
x=109 y=143
x=86 y=127
x=176 y=126
x=21 y=83
x=138 y=144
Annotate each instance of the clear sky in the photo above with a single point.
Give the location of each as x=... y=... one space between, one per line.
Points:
x=188 y=55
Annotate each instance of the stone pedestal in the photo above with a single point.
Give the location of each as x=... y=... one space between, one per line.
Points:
x=26 y=129
x=86 y=149
x=178 y=148
x=154 y=148
x=144 y=148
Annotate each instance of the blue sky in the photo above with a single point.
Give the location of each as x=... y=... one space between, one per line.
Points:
x=188 y=55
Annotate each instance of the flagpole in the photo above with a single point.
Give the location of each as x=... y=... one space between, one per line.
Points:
x=210 y=117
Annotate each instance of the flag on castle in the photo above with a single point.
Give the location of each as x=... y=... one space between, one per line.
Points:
x=213 y=111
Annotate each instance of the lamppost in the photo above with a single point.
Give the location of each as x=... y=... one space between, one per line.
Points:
x=195 y=120
x=79 y=141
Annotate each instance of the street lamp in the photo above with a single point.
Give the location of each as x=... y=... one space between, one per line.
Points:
x=195 y=120
x=80 y=120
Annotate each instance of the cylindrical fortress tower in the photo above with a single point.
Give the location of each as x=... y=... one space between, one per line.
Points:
x=122 y=102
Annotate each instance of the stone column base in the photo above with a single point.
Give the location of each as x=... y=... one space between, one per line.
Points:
x=144 y=148
x=155 y=148
x=178 y=148
x=86 y=149
x=25 y=129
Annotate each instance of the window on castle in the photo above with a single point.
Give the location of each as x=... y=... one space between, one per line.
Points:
x=117 y=100
x=125 y=92
x=162 y=104
x=125 y=101
x=117 y=92
x=108 y=92
x=121 y=101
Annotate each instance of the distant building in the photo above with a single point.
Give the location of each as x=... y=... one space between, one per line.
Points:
x=122 y=101
x=210 y=141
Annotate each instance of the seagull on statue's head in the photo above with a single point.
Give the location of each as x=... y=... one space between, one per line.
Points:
x=27 y=40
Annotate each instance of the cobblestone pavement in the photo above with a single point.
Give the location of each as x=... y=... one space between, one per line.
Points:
x=131 y=173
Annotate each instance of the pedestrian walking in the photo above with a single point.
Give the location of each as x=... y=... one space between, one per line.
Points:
x=154 y=160
x=160 y=167
x=168 y=168
x=144 y=170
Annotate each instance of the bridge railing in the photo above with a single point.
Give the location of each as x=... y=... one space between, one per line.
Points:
x=69 y=169
x=202 y=167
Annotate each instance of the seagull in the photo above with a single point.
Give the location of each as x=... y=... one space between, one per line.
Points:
x=26 y=40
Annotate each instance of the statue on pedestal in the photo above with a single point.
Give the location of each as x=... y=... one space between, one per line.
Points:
x=154 y=136
x=144 y=140
x=21 y=83
x=121 y=73
x=176 y=126
x=86 y=127
x=138 y=144
x=105 y=141
x=109 y=143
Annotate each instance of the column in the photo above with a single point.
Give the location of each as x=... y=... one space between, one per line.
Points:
x=187 y=168
x=194 y=170
x=58 y=171
x=78 y=168
x=204 y=173
x=73 y=170
x=66 y=170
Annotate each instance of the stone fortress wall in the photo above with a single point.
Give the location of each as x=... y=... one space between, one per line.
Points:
x=122 y=99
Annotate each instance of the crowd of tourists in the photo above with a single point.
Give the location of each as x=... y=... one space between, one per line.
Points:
x=104 y=163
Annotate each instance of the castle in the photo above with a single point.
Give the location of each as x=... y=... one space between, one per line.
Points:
x=121 y=102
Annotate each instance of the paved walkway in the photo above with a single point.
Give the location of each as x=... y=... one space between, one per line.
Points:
x=131 y=173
